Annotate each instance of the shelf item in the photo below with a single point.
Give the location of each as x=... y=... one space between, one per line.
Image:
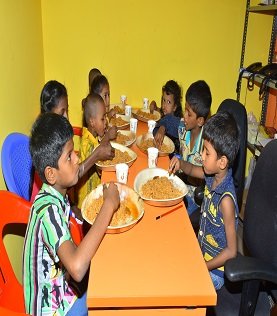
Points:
x=258 y=79
x=264 y=9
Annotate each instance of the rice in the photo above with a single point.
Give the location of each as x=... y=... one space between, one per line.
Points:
x=120 y=157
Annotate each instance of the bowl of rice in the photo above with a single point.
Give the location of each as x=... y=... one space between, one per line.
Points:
x=123 y=154
x=144 y=115
x=145 y=141
x=157 y=188
x=120 y=121
x=128 y=214
x=126 y=138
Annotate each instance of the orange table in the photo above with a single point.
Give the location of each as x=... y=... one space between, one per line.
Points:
x=156 y=268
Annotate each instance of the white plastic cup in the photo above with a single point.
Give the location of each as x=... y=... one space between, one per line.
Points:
x=121 y=172
x=152 y=157
x=145 y=103
x=133 y=125
x=128 y=110
x=123 y=99
x=151 y=126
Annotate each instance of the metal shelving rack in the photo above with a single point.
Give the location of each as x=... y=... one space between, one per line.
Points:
x=269 y=10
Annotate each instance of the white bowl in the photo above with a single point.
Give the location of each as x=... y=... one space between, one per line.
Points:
x=122 y=148
x=147 y=174
x=124 y=192
x=131 y=136
x=167 y=141
x=144 y=119
x=125 y=118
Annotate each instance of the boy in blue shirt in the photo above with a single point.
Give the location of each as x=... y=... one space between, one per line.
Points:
x=219 y=209
x=50 y=258
x=197 y=109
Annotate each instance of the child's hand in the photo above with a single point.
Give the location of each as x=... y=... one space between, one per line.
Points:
x=111 y=193
x=174 y=165
x=111 y=133
x=105 y=151
x=159 y=137
x=153 y=106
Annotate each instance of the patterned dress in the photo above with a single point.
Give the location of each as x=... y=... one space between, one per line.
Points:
x=91 y=179
x=46 y=289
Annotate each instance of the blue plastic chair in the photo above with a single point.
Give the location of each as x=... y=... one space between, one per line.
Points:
x=17 y=165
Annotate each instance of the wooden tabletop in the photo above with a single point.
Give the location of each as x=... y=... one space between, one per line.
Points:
x=157 y=263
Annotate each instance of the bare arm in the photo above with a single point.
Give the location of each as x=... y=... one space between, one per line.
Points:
x=103 y=152
x=77 y=259
x=228 y=210
x=159 y=137
x=187 y=167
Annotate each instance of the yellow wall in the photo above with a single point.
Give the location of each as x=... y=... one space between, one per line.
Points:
x=21 y=78
x=140 y=45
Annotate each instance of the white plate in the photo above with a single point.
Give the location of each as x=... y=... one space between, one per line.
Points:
x=125 y=118
x=144 y=119
x=124 y=191
x=167 y=141
x=147 y=174
x=130 y=135
x=122 y=148
x=119 y=108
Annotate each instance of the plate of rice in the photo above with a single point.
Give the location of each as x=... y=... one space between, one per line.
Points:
x=126 y=138
x=145 y=141
x=157 y=188
x=123 y=154
x=125 y=217
x=119 y=108
x=120 y=121
x=145 y=115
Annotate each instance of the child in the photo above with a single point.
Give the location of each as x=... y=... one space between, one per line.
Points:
x=197 y=109
x=171 y=109
x=49 y=255
x=217 y=234
x=53 y=98
x=95 y=118
x=100 y=85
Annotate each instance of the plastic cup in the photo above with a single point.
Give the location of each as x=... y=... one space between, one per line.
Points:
x=152 y=157
x=145 y=103
x=128 y=110
x=151 y=126
x=133 y=125
x=123 y=99
x=121 y=172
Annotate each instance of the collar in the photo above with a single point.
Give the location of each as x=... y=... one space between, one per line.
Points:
x=221 y=188
x=46 y=188
x=198 y=142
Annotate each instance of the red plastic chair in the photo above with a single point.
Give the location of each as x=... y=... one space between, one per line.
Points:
x=14 y=210
x=8 y=312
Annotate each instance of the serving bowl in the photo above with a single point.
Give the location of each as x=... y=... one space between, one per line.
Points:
x=122 y=148
x=134 y=204
x=124 y=118
x=147 y=174
x=130 y=135
x=167 y=141
x=137 y=115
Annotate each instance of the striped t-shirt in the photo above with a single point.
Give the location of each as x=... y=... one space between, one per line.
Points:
x=46 y=290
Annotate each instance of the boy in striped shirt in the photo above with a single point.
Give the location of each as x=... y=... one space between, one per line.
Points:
x=50 y=258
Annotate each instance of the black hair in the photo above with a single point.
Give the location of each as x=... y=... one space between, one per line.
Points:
x=97 y=84
x=222 y=131
x=90 y=106
x=50 y=95
x=94 y=72
x=49 y=134
x=199 y=97
x=172 y=87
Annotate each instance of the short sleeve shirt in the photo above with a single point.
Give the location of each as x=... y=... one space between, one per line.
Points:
x=46 y=290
